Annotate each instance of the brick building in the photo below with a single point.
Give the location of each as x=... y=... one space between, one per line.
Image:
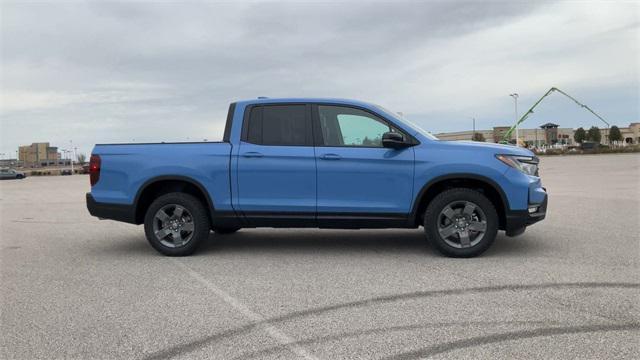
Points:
x=38 y=154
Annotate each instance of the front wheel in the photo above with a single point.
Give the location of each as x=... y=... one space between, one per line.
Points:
x=176 y=223
x=461 y=222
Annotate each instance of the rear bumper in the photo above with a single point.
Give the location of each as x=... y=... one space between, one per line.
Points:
x=119 y=212
x=518 y=220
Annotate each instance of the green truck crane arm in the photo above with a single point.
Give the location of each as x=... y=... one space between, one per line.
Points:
x=507 y=135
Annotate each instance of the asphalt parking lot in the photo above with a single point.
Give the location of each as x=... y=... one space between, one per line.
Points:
x=73 y=286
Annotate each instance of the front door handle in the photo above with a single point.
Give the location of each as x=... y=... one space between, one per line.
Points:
x=330 y=157
x=252 y=154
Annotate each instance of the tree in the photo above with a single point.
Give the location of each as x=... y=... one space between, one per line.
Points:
x=580 y=135
x=377 y=141
x=81 y=158
x=594 y=134
x=478 y=137
x=615 y=134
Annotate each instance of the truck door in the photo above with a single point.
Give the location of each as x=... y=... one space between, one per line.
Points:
x=356 y=174
x=276 y=163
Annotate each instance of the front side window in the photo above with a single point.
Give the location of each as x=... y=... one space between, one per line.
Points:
x=283 y=125
x=345 y=126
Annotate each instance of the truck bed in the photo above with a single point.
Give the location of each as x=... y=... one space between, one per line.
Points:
x=127 y=167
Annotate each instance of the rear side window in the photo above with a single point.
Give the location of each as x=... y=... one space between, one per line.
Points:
x=254 y=133
x=283 y=125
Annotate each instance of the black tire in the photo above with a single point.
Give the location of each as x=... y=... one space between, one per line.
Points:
x=19 y=177
x=466 y=224
x=195 y=212
x=225 y=230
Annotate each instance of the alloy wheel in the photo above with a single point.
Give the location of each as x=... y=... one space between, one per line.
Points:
x=462 y=224
x=173 y=226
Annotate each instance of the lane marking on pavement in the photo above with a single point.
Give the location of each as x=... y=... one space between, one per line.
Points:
x=275 y=333
x=196 y=344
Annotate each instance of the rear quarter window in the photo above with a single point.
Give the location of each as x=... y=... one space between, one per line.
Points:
x=280 y=125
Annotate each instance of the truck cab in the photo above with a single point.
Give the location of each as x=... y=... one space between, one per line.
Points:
x=325 y=163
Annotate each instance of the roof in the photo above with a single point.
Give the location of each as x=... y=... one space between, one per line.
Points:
x=549 y=125
x=263 y=99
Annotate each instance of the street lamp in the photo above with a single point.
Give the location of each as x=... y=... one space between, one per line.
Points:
x=515 y=98
x=74 y=155
x=473 y=134
x=65 y=155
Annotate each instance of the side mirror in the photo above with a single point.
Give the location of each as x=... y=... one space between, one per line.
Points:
x=394 y=140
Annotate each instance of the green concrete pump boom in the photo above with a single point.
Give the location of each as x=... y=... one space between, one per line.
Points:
x=507 y=135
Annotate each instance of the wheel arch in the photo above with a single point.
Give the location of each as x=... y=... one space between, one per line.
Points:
x=485 y=185
x=164 y=184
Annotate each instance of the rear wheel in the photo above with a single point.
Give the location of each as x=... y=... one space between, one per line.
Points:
x=461 y=222
x=176 y=223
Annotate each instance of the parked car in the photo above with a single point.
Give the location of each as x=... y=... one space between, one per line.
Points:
x=66 y=172
x=589 y=145
x=6 y=174
x=318 y=163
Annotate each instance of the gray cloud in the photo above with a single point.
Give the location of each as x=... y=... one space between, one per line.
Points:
x=103 y=71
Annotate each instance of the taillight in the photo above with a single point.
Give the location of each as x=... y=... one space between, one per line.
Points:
x=94 y=169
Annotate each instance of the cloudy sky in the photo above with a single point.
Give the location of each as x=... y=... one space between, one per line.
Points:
x=139 y=71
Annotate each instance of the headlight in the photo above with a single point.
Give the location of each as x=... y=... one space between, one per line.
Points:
x=526 y=164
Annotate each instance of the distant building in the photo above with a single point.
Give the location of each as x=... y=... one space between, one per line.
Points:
x=547 y=134
x=38 y=154
x=551 y=133
x=9 y=162
x=631 y=134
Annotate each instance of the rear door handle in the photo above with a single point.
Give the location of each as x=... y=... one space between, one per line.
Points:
x=330 y=157
x=252 y=154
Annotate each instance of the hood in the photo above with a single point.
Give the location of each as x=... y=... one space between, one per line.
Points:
x=493 y=147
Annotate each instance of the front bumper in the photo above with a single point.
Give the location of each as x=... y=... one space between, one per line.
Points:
x=119 y=212
x=518 y=220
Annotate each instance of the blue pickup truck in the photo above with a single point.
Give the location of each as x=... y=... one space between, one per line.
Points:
x=321 y=163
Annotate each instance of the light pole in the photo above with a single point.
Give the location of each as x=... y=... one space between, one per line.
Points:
x=473 y=134
x=73 y=156
x=515 y=98
x=64 y=153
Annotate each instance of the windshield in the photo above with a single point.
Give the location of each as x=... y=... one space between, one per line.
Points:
x=413 y=125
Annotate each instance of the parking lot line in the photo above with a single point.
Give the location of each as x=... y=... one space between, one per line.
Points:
x=278 y=335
